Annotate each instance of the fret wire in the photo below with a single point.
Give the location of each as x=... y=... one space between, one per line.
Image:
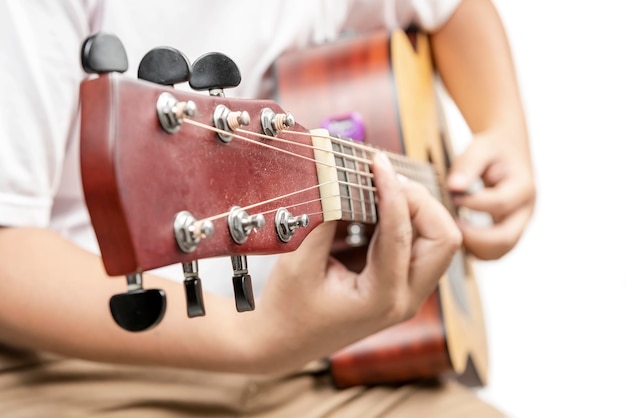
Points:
x=371 y=198
x=341 y=161
x=350 y=177
x=360 y=181
x=343 y=183
x=364 y=182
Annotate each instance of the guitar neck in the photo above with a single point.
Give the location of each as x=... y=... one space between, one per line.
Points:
x=346 y=180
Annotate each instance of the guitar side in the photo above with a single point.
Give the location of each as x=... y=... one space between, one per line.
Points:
x=389 y=82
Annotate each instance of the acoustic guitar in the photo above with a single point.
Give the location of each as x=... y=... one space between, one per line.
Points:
x=173 y=176
x=380 y=88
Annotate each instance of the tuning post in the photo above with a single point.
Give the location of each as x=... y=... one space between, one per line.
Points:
x=286 y=224
x=134 y=281
x=229 y=121
x=242 y=284
x=189 y=231
x=240 y=224
x=273 y=122
x=171 y=112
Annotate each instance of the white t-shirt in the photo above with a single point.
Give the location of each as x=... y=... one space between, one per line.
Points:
x=39 y=56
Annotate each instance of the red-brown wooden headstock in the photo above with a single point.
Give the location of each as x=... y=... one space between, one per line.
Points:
x=137 y=176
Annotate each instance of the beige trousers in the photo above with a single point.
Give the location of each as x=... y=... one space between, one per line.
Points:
x=51 y=388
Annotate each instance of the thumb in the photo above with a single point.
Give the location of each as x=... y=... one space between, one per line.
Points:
x=469 y=166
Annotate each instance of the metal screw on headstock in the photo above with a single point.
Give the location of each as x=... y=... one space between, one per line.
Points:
x=171 y=112
x=286 y=224
x=240 y=224
x=188 y=233
x=229 y=121
x=273 y=122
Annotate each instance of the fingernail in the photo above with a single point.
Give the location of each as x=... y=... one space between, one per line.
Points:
x=458 y=181
x=382 y=159
x=402 y=179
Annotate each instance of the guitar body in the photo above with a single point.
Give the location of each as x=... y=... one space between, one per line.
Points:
x=388 y=80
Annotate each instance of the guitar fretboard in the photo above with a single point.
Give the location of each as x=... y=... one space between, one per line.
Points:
x=355 y=183
x=356 y=188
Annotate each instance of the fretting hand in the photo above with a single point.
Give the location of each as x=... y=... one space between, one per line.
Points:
x=323 y=306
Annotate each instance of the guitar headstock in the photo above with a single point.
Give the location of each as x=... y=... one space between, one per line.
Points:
x=164 y=186
x=138 y=177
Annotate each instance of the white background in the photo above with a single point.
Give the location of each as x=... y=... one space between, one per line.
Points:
x=556 y=306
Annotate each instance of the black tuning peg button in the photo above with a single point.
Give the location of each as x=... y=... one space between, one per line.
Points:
x=244 y=298
x=103 y=53
x=138 y=309
x=242 y=284
x=195 y=300
x=214 y=71
x=193 y=290
x=164 y=65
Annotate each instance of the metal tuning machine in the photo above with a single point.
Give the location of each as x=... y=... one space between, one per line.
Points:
x=273 y=123
x=171 y=112
x=189 y=232
x=287 y=224
x=240 y=224
x=229 y=121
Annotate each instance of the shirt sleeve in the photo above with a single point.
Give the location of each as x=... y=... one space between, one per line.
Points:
x=40 y=60
x=428 y=15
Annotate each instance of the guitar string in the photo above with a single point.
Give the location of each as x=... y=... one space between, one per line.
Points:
x=404 y=165
x=360 y=186
x=415 y=170
x=403 y=160
x=335 y=153
x=243 y=138
x=401 y=169
x=254 y=205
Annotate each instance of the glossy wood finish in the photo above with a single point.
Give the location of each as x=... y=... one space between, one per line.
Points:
x=137 y=177
x=390 y=83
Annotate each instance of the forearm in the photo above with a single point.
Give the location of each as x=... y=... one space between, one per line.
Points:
x=54 y=297
x=472 y=55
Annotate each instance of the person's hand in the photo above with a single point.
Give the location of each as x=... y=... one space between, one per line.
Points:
x=318 y=306
x=503 y=163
